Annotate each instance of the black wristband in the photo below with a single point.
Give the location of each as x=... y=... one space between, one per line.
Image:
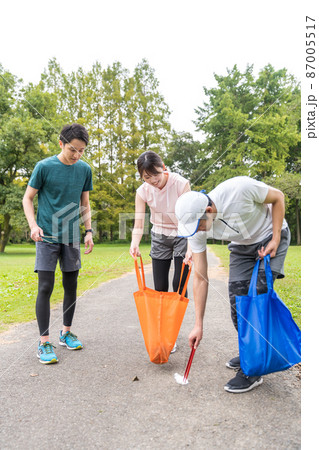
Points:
x=89 y=231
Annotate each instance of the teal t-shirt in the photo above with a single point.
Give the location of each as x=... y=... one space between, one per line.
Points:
x=60 y=188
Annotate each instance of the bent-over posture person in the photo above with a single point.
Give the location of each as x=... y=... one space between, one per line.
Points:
x=250 y=215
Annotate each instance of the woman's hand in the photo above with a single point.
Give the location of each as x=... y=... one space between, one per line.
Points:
x=188 y=257
x=134 y=250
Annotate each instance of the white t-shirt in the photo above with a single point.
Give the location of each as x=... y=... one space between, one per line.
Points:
x=162 y=203
x=242 y=217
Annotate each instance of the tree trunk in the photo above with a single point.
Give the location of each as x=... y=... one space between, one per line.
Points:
x=298 y=223
x=5 y=233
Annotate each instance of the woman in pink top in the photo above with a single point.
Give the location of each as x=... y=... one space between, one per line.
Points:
x=160 y=191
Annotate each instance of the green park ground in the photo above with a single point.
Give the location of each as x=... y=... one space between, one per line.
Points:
x=18 y=282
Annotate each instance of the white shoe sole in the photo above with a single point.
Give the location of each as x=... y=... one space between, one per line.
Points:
x=232 y=367
x=53 y=361
x=241 y=391
x=70 y=348
x=174 y=349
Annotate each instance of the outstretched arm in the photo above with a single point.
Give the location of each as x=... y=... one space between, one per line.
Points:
x=200 y=289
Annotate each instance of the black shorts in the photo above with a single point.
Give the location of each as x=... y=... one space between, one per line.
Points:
x=47 y=256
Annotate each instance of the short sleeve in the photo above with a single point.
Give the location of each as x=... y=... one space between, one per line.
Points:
x=181 y=183
x=198 y=242
x=141 y=192
x=88 y=185
x=257 y=190
x=37 y=177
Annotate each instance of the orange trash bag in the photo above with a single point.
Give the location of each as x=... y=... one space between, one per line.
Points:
x=161 y=315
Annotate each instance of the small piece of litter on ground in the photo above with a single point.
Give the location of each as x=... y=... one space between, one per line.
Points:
x=180 y=379
x=34 y=374
x=136 y=378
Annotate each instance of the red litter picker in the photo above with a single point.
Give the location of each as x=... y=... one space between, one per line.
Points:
x=183 y=379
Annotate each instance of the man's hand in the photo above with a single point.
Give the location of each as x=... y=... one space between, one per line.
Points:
x=195 y=336
x=277 y=199
x=36 y=233
x=271 y=249
x=89 y=244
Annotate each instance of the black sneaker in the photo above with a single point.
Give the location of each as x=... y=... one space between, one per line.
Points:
x=242 y=383
x=233 y=363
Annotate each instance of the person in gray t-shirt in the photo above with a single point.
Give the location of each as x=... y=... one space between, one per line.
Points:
x=62 y=183
x=250 y=215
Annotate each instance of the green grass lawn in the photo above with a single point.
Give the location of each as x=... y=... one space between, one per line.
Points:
x=18 y=282
x=288 y=288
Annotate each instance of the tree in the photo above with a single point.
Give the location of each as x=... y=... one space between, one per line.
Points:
x=184 y=156
x=248 y=123
x=124 y=115
x=151 y=110
x=28 y=123
x=290 y=185
x=20 y=149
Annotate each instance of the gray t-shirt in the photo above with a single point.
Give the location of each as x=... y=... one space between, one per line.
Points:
x=242 y=217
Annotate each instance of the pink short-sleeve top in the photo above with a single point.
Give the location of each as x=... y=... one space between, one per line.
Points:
x=162 y=203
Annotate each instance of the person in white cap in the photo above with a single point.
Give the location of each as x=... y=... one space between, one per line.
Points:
x=249 y=214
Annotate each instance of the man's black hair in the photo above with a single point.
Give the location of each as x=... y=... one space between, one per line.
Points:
x=74 y=131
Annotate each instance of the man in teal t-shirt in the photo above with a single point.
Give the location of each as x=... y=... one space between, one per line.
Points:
x=62 y=183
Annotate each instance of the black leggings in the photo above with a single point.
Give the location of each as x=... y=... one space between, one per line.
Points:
x=45 y=288
x=161 y=274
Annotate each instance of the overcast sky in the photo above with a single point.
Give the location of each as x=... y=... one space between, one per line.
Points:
x=184 y=41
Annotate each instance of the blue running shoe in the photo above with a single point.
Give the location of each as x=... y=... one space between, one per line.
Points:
x=46 y=353
x=70 y=341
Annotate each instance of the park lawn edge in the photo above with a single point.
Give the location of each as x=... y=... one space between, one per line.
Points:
x=85 y=284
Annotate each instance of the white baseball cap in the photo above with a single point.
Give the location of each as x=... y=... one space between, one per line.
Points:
x=189 y=209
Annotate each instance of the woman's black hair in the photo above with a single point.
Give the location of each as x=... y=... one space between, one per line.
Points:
x=74 y=131
x=148 y=162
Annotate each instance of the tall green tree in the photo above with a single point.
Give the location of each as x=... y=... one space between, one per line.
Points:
x=28 y=123
x=151 y=111
x=248 y=124
x=290 y=184
x=20 y=150
x=185 y=156
x=125 y=115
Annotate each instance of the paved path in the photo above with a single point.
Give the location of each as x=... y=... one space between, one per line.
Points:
x=90 y=401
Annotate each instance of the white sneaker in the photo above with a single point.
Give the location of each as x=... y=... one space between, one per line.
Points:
x=174 y=348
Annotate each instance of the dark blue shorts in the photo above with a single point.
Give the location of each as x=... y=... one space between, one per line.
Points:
x=47 y=256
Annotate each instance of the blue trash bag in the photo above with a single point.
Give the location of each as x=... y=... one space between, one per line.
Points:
x=269 y=339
